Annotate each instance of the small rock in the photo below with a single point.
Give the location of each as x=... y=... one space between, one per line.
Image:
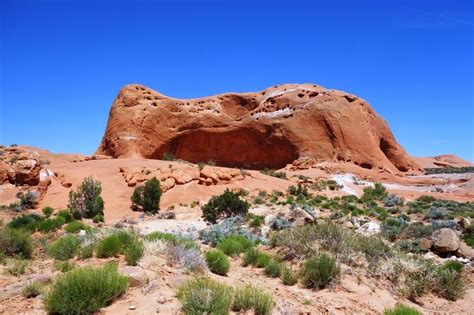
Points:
x=269 y=219
x=264 y=231
x=299 y=221
x=161 y=299
x=132 y=307
x=464 y=223
x=348 y=224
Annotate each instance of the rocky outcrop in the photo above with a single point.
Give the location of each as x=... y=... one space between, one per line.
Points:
x=181 y=174
x=271 y=128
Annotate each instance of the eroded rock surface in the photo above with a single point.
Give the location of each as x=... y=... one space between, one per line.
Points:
x=271 y=128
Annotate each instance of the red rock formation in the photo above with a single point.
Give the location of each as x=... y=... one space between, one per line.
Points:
x=270 y=128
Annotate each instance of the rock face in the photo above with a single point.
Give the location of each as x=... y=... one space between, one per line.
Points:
x=270 y=128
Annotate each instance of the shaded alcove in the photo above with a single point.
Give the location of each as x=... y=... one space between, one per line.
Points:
x=242 y=148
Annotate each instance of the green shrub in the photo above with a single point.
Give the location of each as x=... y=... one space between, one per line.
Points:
x=26 y=221
x=255 y=221
x=234 y=244
x=27 y=199
x=98 y=218
x=401 y=309
x=418 y=282
x=16 y=267
x=288 y=276
x=31 y=290
x=85 y=290
x=48 y=211
x=453 y=265
x=66 y=215
x=204 y=296
x=273 y=268
x=86 y=252
x=76 y=226
x=64 y=248
x=134 y=251
x=172 y=239
x=217 y=262
x=147 y=197
x=249 y=297
x=109 y=246
x=378 y=192
x=319 y=272
x=168 y=156
x=262 y=260
x=15 y=243
x=449 y=284
x=272 y=172
x=250 y=257
x=50 y=225
x=226 y=205
x=86 y=202
x=63 y=266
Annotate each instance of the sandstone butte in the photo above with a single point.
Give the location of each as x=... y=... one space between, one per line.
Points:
x=271 y=128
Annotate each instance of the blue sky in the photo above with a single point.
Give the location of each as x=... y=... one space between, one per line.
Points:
x=63 y=62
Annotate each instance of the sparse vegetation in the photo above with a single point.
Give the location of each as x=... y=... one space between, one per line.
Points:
x=288 y=275
x=85 y=290
x=234 y=244
x=31 y=290
x=168 y=156
x=48 y=211
x=16 y=267
x=249 y=297
x=64 y=248
x=76 y=226
x=272 y=172
x=273 y=268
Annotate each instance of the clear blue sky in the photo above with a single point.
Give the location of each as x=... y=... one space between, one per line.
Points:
x=63 y=62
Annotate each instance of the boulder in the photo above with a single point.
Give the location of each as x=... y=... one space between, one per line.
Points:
x=445 y=240
x=465 y=251
x=136 y=275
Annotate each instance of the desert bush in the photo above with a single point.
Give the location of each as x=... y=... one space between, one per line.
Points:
x=172 y=239
x=449 y=284
x=114 y=244
x=281 y=224
x=273 y=268
x=319 y=272
x=190 y=259
x=262 y=259
x=401 y=309
x=452 y=265
x=204 y=296
x=217 y=262
x=393 y=201
x=98 y=218
x=225 y=205
x=16 y=267
x=288 y=275
x=468 y=235
x=249 y=297
x=378 y=192
x=48 y=211
x=15 y=243
x=85 y=290
x=168 y=156
x=86 y=251
x=76 y=226
x=450 y=224
x=147 y=197
x=436 y=214
x=63 y=265
x=31 y=290
x=392 y=228
x=419 y=281
x=50 y=225
x=272 y=172
x=28 y=199
x=234 y=244
x=86 y=202
x=64 y=248
x=66 y=215
x=254 y=220
x=417 y=230
x=134 y=251
x=26 y=221
x=250 y=257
